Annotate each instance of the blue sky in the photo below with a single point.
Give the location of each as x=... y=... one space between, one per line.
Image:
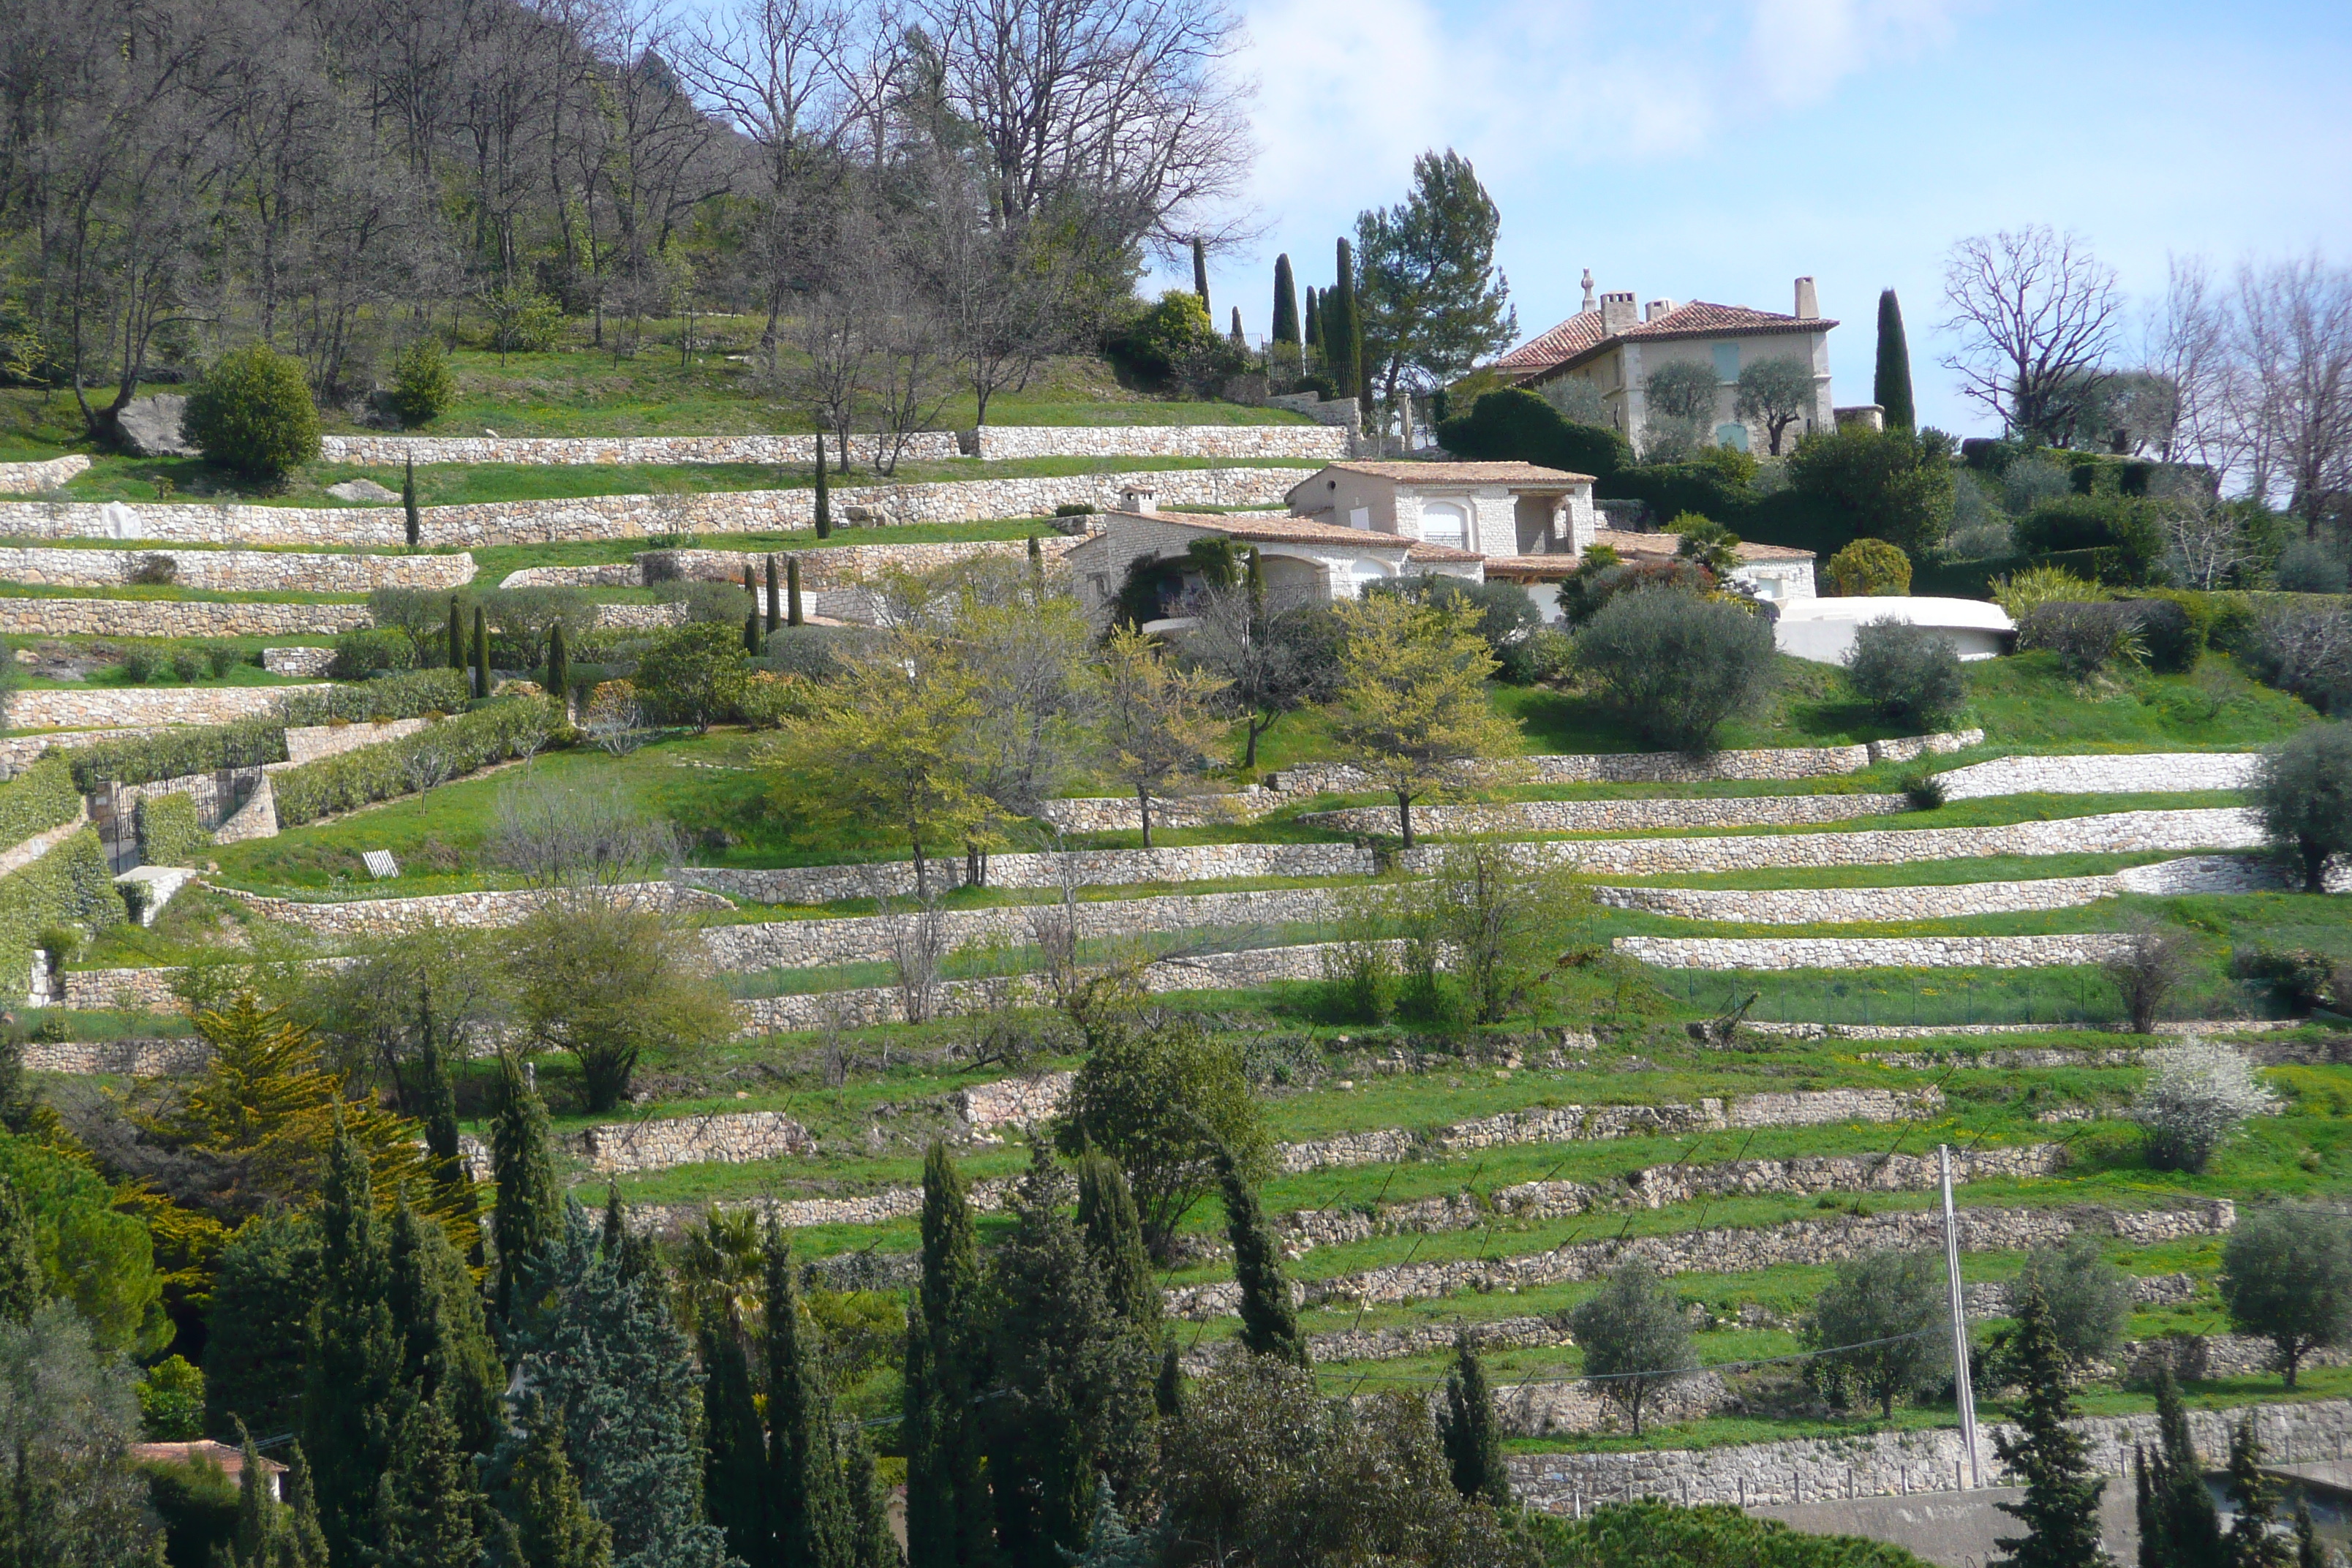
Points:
x=1717 y=151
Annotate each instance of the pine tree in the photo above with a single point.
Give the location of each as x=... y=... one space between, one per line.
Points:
x=2187 y=1532
x=805 y=1487
x=306 y=1538
x=775 y=597
x=481 y=655
x=529 y=1204
x=559 y=666
x=551 y=1525
x=1285 y=303
x=793 y=613
x=1201 y=273
x=1269 y=1318
x=871 y=1543
x=735 y=1461
x=410 y=516
x=2061 y=1505
x=22 y=1291
x=446 y=1355
x=1343 y=330
x=2251 y=1542
x=428 y=1509
x=823 y=497
x=456 y=636
x=354 y=1400
x=950 y=1518
x=1891 y=387
x=1467 y=1431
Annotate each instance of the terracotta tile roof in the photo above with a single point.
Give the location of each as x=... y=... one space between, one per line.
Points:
x=231 y=1460
x=1662 y=543
x=1581 y=334
x=1274 y=530
x=1460 y=473
x=1424 y=551
x=1531 y=568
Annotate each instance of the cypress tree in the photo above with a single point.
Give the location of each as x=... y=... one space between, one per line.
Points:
x=2309 y=1552
x=1891 y=387
x=410 y=516
x=1257 y=581
x=457 y=636
x=750 y=592
x=1343 y=330
x=752 y=633
x=871 y=1543
x=823 y=497
x=354 y=1401
x=2252 y=1543
x=792 y=610
x=810 y=1508
x=441 y=1138
x=428 y=1509
x=951 y=1519
x=631 y=1250
x=2061 y=1505
x=1037 y=559
x=1467 y=1432
x=307 y=1539
x=2188 y=1532
x=446 y=1355
x=1201 y=273
x=735 y=1464
x=22 y=1291
x=1167 y=1389
x=2144 y=1515
x=775 y=597
x=551 y=1525
x=261 y=1519
x=1314 y=339
x=529 y=1204
x=1241 y=340
x=1285 y=303
x=559 y=666
x=1269 y=1320
x=481 y=655
x=1113 y=1232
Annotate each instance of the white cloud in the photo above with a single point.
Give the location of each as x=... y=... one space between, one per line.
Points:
x=1799 y=51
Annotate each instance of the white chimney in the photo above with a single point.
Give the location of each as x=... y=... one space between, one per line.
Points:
x=1616 y=312
x=1656 y=309
x=1809 y=303
x=1588 y=289
x=1139 y=498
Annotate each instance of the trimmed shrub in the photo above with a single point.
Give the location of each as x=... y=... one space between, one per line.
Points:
x=692 y=675
x=1675 y=666
x=2307 y=566
x=359 y=654
x=2120 y=538
x=423 y=387
x=2086 y=638
x=1869 y=566
x=409 y=695
x=170 y=832
x=356 y=778
x=178 y=751
x=1908 y=675
x=1895 y=485
x=40 y=797
x=1519 y=425
x=253 y=413
x=2172 y=637
x=707 y=604
x=70 y=886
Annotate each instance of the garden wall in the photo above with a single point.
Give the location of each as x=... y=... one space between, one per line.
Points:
x=2146 y=772
x=1816 y=906
x=1083 y=868
x=382 y=917
x=298 y=661
x=993 y=442
x=140 y=707
x=32 y=479
x=173 y=618
x=139 y=1058
x=1670 y=767
x=236 y=571
x=1871 y=952
x=1001 y=442
x=1616 y=815
x=617 y=1148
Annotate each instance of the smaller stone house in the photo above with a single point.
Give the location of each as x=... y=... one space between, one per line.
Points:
x=1483 y=508
x=1774 y=573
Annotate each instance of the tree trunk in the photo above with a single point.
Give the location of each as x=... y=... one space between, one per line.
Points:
x=975 y=865
x=1404 y=816
x=922 y=871
x=2315 y=865
x=2291 y=1363
x=1249 y=752
x=1143 y=806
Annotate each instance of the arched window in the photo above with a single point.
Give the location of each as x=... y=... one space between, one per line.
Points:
x=1732 y=434
x=1445 y=522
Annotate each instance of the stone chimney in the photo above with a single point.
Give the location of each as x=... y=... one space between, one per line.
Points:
x=1809 y=303
x=1139 y=498
x=1616 y=312
x=1588 y=289
x=1656 y=309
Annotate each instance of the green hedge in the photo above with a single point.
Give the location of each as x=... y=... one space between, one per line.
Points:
x=41 y=797
x=379 y=773
x=179 y=751
x=68 y=886
x=170 y=833
x=410 y=695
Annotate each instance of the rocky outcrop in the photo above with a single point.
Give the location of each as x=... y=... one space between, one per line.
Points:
x=151 y=427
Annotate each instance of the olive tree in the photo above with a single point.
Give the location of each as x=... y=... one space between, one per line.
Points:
x=1676 y=666
x=1876 y=1324
x=2088 y=1298
x=2196 y=1095
x=1635 y=1337
x=2286 y=1277
x=1775 y=393
x=1908 y=675
x=2304 y=794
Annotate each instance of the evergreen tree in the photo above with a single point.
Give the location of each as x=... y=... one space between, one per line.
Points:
x=775 y=597
x=871 y=1545
x=447 y=1354
x=752 y=633
x=354 y=1402
x=1891 y=387
x=750 y=592
x=1113 y=1233
x=410 y=516
x=811 y=1510
x=793 y=613
x=1269 y=1318
x=1285 y=303
x=456 y=636
x=1430 y=301
x=1167 y=1389
x=481 y=655
x=2146 y=1517
x=261 y=1535
x=441 y=1136
x=550 y=1525
x=1241 y=339
x=823 y=497
x=2253 y=1541
x=1343 y=329
x=1467 y=1431
x=1201 y=273
x=306 y=1537
x=2188 y=1526
x=2309 y=1552
x=529 y=1204
x=1314 y=320
x=632 y=1250
x=559 y=666
x=264 y=1285
x=22 y=1291
x=950 y=1518
x=735 y=1460
x=2061 y=1505
x=427 y=1509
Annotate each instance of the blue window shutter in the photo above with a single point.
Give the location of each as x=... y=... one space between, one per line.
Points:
x=1726 y=361
x=1732 y=434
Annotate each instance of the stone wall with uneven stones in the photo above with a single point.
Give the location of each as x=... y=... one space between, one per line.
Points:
x=1003 y=442
x=142 y=707
x=2147 y=773
x=640 y=617
x=821 y=567
x=309 y=742
x=1870 y=952
x=1953 y=900
x=33 y=479
x=25 y=851
x=483 y=524
x=557 y=451
x=732 y=1139
x=1012 y=1102
x=238 y=571
x=305 y=661
x=1673 y=767
x=1616 y=815
x=175 y=618
x=382 y=917
x=1881 y=1464
x=1083 y=868
x=144 y=1057
x=17 y=751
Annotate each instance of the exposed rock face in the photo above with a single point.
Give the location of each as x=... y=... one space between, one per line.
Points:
x=363 y=490
x=151 y=427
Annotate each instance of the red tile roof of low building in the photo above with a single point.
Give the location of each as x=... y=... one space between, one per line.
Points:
x=1581 y=334
x=1273 y=529
x=231 y=1460
x=1425 y=473
x=1531 y=568
x=1424 y=551
x=1664 y=544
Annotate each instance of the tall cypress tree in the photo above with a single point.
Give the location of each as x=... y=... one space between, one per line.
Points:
x=307 y=1539
x=260 y=1518
x=1113 y=1232
x=1891 y=387
x=446 y=1355
x=1201 y=273
x=1241 y=339
x=823 y=496
x=428 y=1508
x=735 y=1458
x=456 y=636
x=2061 y=1505
x=441 y=1138
x=413 y=521
x=355 y=1401
x=2309 y=1552
x=481 y=655
x=22 y=1291
x=752 y=633
x=549 y=1523
x=775 y=597
x=1343 y=328
x=1314 y=320
x=809 y=1506
x=1286 y=302
x=559 y=666
x=2252 y=1542
x=1270 y=1319
x=2188 y=1532
x=2145 y=1516
x=871 y=1545
x=950 y=1518
x=1167 y=1389
x=1467 y=1431
x=529 y=1204
x=792 y=612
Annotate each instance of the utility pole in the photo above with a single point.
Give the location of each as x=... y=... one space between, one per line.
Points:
x=1960 y=1384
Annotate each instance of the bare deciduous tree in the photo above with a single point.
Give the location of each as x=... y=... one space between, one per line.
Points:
x=2037 y=315
x=2298 y=348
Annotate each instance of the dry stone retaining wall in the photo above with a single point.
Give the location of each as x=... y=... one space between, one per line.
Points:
x=1871 y=952
x=175 y=618
x=1083 y=868
x=140 y=707
x=147 y=1058
x=305 y=661
x=1012 y=1102
x=32 y=479
x=1821 y=906
x=23 y=853
x=235 y=570
x=734 y=1139
x=555 y=451
x=2147 y=773
x=382 y=917
x=999 y=442
x=1672 y=767
x=1616 y=815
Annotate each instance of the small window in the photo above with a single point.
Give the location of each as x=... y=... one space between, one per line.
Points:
x=1733 y=434
x=1361 y=516
x=1726 y=361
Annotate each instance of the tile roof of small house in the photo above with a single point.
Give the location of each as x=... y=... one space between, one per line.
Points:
x=1274 y=530
x=1460 y=473
x=230 y=1459
x=1582 y=335
x=1424 y=551
x=1665 y=543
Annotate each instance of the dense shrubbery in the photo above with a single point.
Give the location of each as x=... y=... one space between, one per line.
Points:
x=1507 y=619
x=40 y=797
x=1896 y=486
x=1519 y=425
x=2306 y=566
x=2087 y=638
x=178 y=752
x=177 y=660
x=359 y=654
x=1908 y=675
x=70 y=886
x=1656 y=1534
x=2119 y=539
x=253 y=413
x=1869 y=566
x=1175 y=344
x=1675 y=666
x=423 y=386
x=410 y=695
x=454 y=746
x=2304 y=646
x=1602 y=576
x=170 y=833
